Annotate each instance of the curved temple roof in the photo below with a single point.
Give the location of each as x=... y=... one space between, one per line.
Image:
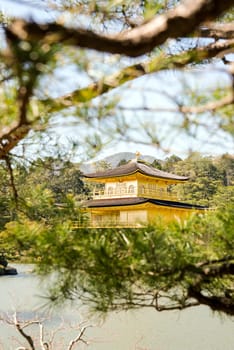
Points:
x=133 y=167
x=140 y=200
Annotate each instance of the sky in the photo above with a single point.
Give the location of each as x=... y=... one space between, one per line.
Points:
x=34 y=9
x=151 y=92
x=175 y=141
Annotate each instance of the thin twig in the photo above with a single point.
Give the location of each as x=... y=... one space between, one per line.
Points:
x=78 y=338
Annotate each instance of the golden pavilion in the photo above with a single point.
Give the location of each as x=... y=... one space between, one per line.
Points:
x=135 y=194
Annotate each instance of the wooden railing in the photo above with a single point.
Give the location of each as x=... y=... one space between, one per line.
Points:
x=107 y=224
x=115 y=194
x=157 y=193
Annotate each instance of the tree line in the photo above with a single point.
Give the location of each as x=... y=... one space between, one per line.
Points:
x=50 y=188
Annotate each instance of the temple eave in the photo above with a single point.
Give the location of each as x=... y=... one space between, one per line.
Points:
x=133 y=201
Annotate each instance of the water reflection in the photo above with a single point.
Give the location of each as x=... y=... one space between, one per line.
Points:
x=193 y=329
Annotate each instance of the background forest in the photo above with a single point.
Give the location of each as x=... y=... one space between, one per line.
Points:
x=49 y=188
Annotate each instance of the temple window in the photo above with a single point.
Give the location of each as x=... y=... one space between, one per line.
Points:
x=110 y=190
x=121 y=188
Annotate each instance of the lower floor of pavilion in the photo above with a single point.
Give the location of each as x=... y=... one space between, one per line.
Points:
x=137 y=212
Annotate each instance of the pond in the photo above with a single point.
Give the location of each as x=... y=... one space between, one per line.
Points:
x=192 y=329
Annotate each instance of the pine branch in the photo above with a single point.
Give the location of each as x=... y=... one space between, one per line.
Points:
x=216 y=303
x=178 y=22
x=158 y=63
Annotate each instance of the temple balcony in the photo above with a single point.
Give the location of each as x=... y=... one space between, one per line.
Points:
x=135 y=192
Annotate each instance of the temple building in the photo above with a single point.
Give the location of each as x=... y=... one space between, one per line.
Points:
x=135 y=194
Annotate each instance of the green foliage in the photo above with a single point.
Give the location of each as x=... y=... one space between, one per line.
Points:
x=102 y=165
x=18 y=237
x=48 y=191
x=130 y=268
x=157 y=164
x=40 y=216
x=170 y=163
x=7 y=95
x=207 y=176
x=60 y=177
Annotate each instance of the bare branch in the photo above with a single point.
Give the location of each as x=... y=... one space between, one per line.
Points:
x=216 y=31
x=44 y=345
x=78 y=338
x=21 y=331
x=12 y=137
x=177 y=22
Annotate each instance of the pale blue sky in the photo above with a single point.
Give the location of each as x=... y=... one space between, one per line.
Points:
x=208 y=140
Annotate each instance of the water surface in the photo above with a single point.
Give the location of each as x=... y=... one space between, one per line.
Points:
x=192 y=329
